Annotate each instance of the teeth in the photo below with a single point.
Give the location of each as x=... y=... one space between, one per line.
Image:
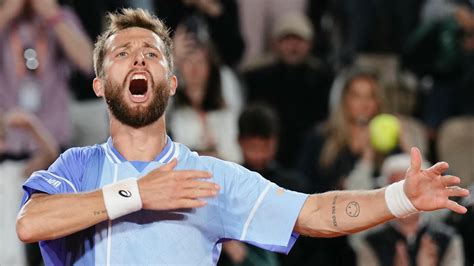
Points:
x=138 y=76
x=138 y=95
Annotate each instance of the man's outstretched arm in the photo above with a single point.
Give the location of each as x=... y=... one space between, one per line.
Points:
x=338 y=213
x=46 y=217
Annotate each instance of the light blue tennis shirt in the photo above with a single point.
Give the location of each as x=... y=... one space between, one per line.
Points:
x=248 y=208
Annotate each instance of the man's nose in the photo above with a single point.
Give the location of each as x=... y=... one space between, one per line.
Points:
x=139 y=60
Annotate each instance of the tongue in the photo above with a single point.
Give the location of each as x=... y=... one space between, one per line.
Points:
x=138 y=87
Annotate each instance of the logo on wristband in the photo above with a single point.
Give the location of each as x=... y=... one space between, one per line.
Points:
x=125 y=193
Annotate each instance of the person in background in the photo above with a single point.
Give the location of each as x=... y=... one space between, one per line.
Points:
x=219 y=17
x=463 y=224
x=334 y=149
x=295 y=84
x=13 y=175
x=201 y=116
x=189 y=36
x=39 y=42
x=256 y=19
x=413 y=240
x=258 y=140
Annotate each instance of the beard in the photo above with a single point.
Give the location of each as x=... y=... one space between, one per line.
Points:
x=138 y=116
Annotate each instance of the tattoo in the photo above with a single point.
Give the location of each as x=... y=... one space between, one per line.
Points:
x=353 y=209
x=333 y=211
x=99 y=212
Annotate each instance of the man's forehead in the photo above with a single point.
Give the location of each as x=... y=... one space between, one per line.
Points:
x=133 y=35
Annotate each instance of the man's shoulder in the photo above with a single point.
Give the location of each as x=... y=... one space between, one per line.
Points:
x=82 y=154
x=192 y=160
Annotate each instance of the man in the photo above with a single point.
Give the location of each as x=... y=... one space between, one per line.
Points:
x=293 y=67
x=106 y=204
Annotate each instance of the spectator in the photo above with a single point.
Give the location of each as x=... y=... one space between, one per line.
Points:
x=333 y=149
x=39 y=41
x=258 y=140
x=201 y=117
x=219 y=17
x=463 y=223
x=442 y=53
x=256 y=19
x=14 y=173
x=292 y=69
x=411 y=240
x=88 y=113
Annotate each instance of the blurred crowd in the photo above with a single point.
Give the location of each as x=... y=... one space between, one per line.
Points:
x=315 y=95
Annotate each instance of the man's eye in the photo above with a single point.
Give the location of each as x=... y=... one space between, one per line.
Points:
x=122 y=54
x=152 y=55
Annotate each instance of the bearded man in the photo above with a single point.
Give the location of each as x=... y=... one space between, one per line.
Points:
x=141 y=198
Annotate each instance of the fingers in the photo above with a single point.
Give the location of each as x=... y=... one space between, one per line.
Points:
x=456 y=191
x=449 y=180
x=198 y=189
x=194 y=193
x=196 y=184
x=438 y=168
x=455 y=207
x=189 y=203
x=169 y=166
x=415 y=164
x=190 y=174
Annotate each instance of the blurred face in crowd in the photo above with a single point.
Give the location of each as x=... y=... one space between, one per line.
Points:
x=137 y=83
x=195 y=71
x=360 y=100
x=258 y=152
x=292 y=49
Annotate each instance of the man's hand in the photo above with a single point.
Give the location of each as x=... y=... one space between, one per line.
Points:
x=429 y=190
x=168 y=189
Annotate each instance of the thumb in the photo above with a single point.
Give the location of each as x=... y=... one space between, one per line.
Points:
x=169 y=166
x=415 y=164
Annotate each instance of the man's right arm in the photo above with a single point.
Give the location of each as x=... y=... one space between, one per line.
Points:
x=47 y=217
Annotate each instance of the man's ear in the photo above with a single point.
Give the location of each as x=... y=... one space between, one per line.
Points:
x=173 y=85
x=98 y=85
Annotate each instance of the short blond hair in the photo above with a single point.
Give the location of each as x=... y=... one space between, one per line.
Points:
x=128 y=18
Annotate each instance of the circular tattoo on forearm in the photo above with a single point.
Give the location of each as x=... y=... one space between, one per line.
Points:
x=353 y=209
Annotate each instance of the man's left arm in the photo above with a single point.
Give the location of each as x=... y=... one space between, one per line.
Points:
x=338 y=213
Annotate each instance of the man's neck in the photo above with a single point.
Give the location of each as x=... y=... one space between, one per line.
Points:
x=138 y=144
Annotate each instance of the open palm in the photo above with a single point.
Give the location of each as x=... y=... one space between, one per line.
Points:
x=429 y=190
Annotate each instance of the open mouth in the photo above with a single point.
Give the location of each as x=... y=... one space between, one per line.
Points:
x=138 y=85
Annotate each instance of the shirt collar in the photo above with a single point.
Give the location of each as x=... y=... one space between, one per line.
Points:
x=169 y=152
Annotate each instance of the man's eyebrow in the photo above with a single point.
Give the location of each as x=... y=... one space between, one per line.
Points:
x=125 y=45
x=149 y=45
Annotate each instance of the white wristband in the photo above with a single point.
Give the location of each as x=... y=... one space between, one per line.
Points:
x=122 y=198
x=397 y=201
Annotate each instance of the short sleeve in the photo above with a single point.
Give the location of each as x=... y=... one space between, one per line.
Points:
x=63 y=176
x=257 y=211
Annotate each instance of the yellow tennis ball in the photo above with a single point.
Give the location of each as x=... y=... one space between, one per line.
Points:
x=384 y=132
